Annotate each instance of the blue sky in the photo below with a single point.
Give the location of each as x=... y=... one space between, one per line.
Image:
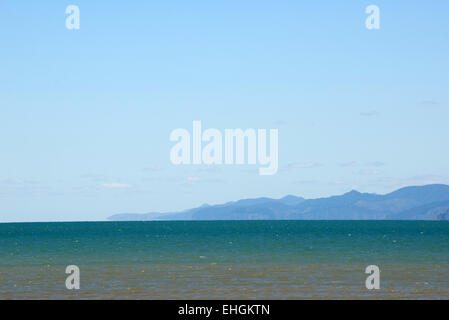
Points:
x=85 y=115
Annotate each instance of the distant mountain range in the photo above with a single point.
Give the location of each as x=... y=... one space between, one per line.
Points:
x=429 y=202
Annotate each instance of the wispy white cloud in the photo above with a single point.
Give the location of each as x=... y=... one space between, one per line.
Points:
x=303 y=165
x=348 y=164
x=117 y=185
x=370 y=172
x=96 y=177
x=305 y=182
x=202 y=180
x=337 y=182
x=416 y=180
x=369 y=113
x=360 y=164
x=155 y=168
x=429 y=102
x=430 y=179
x=280 y=122
x=12 y=181
x=209 y=169
x=376 y=164
x=17 y=181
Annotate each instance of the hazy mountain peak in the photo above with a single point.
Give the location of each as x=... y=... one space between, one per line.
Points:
x=429 y=202
x=353 y=192
x=291 y=200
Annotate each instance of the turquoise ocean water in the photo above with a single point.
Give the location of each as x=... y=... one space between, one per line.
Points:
x=225 y=259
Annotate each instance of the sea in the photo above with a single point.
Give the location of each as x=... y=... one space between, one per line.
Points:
x=225 y=259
